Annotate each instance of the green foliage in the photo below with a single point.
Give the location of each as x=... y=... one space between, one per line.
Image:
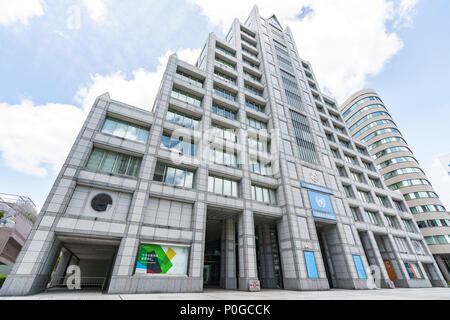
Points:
x=2 y=213
x=2 y=280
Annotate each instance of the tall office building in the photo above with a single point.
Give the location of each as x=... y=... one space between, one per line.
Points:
x=242 y=176
x=369 y=122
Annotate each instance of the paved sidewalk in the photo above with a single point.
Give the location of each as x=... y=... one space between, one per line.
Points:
x=385 y=294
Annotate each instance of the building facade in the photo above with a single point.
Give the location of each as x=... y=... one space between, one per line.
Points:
x=233 y=180
x=17 y=215
x=369 y=121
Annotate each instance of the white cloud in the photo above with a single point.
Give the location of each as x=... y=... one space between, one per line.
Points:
x=97 y=10
x=35 y=137
x=139 y=91
x=19 y=11
x=346 y=41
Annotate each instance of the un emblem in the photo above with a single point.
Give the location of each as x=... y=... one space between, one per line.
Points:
x=320 y=201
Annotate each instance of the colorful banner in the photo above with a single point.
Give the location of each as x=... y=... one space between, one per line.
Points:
x=160 y=259
x=390 y=270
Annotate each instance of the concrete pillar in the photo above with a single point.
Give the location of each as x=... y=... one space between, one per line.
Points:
x=402 y=275
x=442 y=267
x=267 y=260
x=60 y=271
x=376 y=255
x=228 y=255
x=247 y=251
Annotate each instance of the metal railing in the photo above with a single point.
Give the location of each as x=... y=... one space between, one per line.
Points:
x=85 y=282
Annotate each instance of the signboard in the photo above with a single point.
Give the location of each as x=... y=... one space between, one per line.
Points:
x=323 y=215
x=161 y=259
x=311 y=266
x=320 y=202
x=254 y=286
x=359 y=267
x=8 y=222
x=390 y=270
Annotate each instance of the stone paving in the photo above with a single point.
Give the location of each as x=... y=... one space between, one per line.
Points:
x=210 y=294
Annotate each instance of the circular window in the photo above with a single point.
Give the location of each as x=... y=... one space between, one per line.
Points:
x=101 y=202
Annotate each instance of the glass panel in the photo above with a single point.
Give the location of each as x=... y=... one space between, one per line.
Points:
x=108 y=161
x=109 y=126
x=95 y=159
x=266 y=195
x=179 y=177
x=133 y=168
x=235 y=191
x=210 y=184
x=132 y=133
x=142 y=135
x=273 y=197
x=159 y=172
x=170 y=175
x=259 y=195
x=165 y=142
x=218 y=185
x=189 y=183
x=121 y=130
x=227 y=187
x=122 y=163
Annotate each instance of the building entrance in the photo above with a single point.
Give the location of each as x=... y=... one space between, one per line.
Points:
x=92 y=257
x=327 y=262
x=268 y=259
x=211 y=266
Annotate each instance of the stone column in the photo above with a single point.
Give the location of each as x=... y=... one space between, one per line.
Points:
x=376 y=255
x=228 y=253
x=442 y=267
x=247 y=253
x=64 y=262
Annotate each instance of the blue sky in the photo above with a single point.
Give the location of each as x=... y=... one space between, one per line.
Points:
x=56 y=57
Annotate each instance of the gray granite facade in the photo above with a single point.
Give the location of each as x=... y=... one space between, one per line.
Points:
x=261 y=244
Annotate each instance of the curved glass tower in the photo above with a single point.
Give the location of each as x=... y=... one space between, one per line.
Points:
x=369 y=121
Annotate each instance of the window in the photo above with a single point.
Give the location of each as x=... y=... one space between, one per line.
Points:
x=222 y=186
x=263 y=194
x=384 y=141
x=362 y=150
x=225 y=93
x=101 y=202
x=360 y=102
x=368 y=165
x=427 y=208
x=224 y=112
x=414 y=271
x=433 y=223
x=351 y=159
x=375 y=182
x=443 y=239
x=175 y=176
x=348 y=191
x=394 y=161
x=383 y=201
x=378 y=132
x=357 y=176
x=252 y=76
x=253 y=90
x=365 y=196
x=249 y=63
x=420 y=195
x=225 y=158
x=402 y=171
x=330 y=137
x=356 y=114
x=418 y=247
x=400 y=205
x=125 y=130
x=186 y=97
x=356 y=214
x=113 y=162
x=371 y=125
x=225 y=64
x=256 y=124
x=189 y=79
x=345 y=144
x=223 y=133
x=389 y=151
x=225 y=77
x=342 y=171
x=409 y=226
x=182 y=119
x=402 y=245
x=372 y=218
x=226 y=51
x=367 y=117
x=304 y=138
x=391 y=221
x=251 y=53
x=336 y=153
x=261 y=168
x=258 y=144
x=255 y=106
x=185 y=147
x=408 y=183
